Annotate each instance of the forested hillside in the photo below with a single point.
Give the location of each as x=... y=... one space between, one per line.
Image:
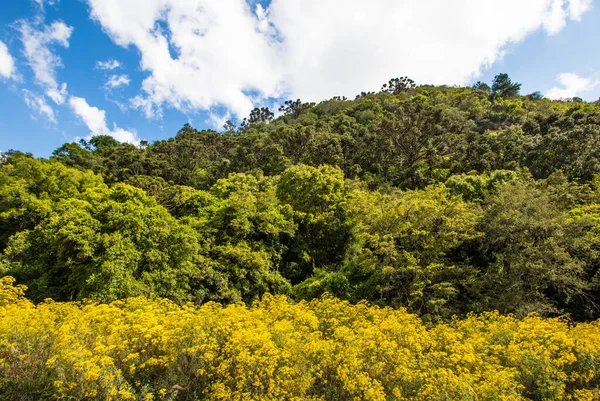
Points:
x=442 y=200
x=474 y=213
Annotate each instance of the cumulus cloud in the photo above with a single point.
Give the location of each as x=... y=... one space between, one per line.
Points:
x=432 y=41
x=37 y=41
x=214 y=52
x=7 y=63
x=114 y=81
x=95 y=120
x=38 y=104
x=572 y=85
x=203 y=53
x=108 y=64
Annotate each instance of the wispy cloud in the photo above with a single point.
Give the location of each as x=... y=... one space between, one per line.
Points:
x=108 y=65
x=38 y=104
x=42 y=3
x=115 y=81
x=37 y=40
x=572 y=85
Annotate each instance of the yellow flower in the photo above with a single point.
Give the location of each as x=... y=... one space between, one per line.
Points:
x=275 y=349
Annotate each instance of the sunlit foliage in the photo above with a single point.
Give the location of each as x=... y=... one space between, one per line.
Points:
x=443 y=200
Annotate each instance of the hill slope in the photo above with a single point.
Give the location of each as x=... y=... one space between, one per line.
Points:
x=442 y=200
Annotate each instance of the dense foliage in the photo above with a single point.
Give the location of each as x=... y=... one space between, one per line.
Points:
x=197 y=267
x=326 y=349
x=442 y=200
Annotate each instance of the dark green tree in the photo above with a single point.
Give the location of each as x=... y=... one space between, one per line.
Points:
x=525 y=256
x=504 y=87
x=398 y=85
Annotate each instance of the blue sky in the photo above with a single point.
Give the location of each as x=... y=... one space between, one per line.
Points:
x=204 y=61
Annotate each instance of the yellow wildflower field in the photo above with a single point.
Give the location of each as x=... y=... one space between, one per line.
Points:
x=326 y=349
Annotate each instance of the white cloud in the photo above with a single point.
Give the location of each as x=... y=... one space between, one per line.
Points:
x=41 y=3
x=36 y=42
x=202 y=53
x=95 y=120
x=38 y=104
x=556 y=17
x=432 y=41
x=49 y=2
x=114 y=81
x=579 y=7
x=108 y=64
x=572 y=85
x=218 y=121
x=220 y=52
x=7 y=63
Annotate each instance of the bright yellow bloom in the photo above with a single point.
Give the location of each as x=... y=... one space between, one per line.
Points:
x=136 y=349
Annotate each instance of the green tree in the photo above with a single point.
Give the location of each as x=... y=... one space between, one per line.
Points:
x=110 y=244
x=524 y=256
x=402 y=254
x=474 y=187
x=246 y=230
x=416 y=140
x=482 y=86
x=294 y=108
x=317 y=197
x=504 y=87
x=398 y=85
x=29 y=187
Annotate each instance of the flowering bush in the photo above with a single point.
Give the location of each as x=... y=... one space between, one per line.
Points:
x=326 y=349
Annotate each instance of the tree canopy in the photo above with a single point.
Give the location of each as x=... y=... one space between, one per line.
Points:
x=441 y=200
